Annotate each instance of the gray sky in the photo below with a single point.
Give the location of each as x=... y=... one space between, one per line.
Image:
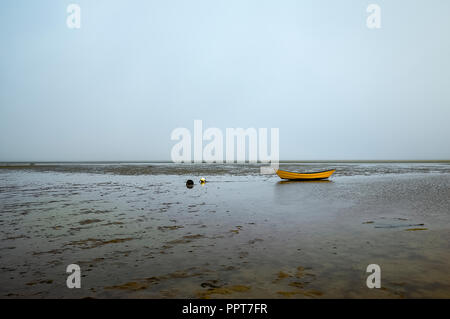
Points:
x=116 y=88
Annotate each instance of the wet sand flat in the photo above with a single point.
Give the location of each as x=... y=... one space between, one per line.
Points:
x=136 y=231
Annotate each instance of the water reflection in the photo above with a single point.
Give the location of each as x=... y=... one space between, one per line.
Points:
x=304 y=181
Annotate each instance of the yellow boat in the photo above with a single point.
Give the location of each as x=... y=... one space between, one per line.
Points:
x=305 y=176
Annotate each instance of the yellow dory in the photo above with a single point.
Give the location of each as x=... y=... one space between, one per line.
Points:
x=305 y=176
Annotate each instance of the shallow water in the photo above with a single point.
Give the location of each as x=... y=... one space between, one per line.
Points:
x=342 y=169
x=137 y=231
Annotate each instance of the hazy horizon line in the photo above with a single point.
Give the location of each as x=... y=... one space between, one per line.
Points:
x=192 y=162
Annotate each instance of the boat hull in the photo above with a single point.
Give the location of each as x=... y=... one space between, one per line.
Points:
x=305 y=176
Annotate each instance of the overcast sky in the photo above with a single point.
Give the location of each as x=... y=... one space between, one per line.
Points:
x=116 y=88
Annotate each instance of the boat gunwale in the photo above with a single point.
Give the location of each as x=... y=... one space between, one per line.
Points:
x=329 y=170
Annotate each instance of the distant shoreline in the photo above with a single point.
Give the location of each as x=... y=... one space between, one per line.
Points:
x=19 y=164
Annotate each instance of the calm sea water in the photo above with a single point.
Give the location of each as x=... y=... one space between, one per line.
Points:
x=342 y=169
x=137 y=231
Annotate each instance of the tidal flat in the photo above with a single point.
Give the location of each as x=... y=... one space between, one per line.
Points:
x=136 y=231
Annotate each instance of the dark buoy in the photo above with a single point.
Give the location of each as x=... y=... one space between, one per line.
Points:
x=190 y=183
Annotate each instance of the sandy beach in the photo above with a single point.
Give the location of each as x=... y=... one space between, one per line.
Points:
x=136 y=231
